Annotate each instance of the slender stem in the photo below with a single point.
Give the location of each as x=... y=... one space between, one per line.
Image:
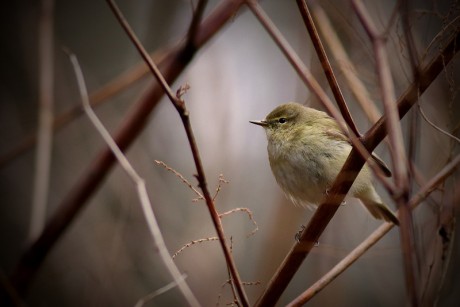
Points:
x=333 y=83
x=139 y=182
x=181 y=108
x=45 y=120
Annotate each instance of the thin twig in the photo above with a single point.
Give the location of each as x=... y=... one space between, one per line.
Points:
x=456 y=139
x=354 y=255
x=334 y=85
x=179 y=104
x=45 y=120
x=250 y=215
x=139 y=182
x=219 y=186
x=180 y=250
x=181 y=177
x=158 y=292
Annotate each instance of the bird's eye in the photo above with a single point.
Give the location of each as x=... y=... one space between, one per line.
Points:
x=282 y=120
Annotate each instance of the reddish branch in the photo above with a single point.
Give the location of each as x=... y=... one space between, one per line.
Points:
x=181 y=108
x=171 y=66
x=342 y=184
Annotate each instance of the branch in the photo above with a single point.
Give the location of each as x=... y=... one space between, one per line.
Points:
x=308 y=20
x=372 y=239
x=139 y=182
x=398 y=155
x=181 y=108
x=45 y=120
x=325 y=212
x=172 y=65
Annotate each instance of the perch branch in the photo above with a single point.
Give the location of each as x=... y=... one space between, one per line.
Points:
x=325 y=212
x=354 y=255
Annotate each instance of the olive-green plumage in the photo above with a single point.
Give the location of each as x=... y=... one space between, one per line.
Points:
x=307 y=149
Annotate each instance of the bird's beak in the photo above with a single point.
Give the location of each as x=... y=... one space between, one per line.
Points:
x=262 y=123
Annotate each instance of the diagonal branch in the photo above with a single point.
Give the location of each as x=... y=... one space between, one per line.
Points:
x=139 y=182
x=181 y=108
x=373 y=238
x=343 y=182
x=172 y=65
x=333 y=83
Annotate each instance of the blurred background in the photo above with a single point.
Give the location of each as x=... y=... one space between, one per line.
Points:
x=107 y=258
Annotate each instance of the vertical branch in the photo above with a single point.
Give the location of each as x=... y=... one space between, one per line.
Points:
x=181 y=108
x=398 y=155
x=45 y=120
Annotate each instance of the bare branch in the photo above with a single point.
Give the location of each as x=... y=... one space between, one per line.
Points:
x=346 y=66
x=180 y=250
x=250 y=215
x=196 y=19
x=181 y=177
x=308 y=20
x=354 y=255
x=158 y=292
x=343 y=182
x=398 y=155
x=173 y=64
x=97 y=98
x=45 y=120
x=139 y=182
x=456 y=139
x=179 y=104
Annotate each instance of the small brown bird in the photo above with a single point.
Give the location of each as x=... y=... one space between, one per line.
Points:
x=307 y=149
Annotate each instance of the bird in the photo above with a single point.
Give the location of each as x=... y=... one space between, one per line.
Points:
x=307 y=149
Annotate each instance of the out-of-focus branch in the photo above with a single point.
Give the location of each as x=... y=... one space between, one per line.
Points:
x=45 y=120
x=397 y=152
x=345 y=65
x=181 y=108
x=354 y=255
x=308 y=20
x=326 y=211
x=96 y=98
x=139 y=182
x=172 y=65
x=196 y=19
x=303 y=72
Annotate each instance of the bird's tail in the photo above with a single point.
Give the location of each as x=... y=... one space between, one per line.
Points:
x=378 y=209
